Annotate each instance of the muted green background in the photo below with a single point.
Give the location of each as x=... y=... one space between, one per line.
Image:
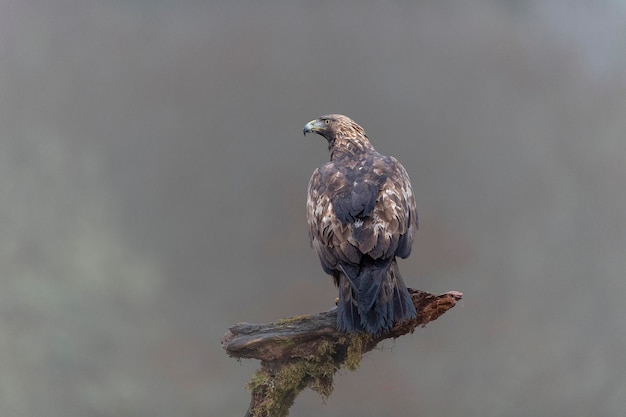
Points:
x=152 y=188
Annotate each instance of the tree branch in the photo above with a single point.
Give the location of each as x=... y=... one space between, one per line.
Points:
x=306 y=351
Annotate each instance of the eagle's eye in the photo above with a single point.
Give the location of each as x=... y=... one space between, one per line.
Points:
x=327 y=121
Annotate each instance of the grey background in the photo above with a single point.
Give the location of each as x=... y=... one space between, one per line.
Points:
x=152 y=186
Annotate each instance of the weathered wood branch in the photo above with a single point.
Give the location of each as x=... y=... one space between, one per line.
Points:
x=307 y=351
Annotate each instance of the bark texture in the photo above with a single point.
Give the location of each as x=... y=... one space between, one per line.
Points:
x=306 y=351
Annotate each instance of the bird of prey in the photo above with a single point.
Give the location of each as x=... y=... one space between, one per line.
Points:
x=361 y=215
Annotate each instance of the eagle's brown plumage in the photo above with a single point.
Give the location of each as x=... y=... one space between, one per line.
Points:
x=361 y=215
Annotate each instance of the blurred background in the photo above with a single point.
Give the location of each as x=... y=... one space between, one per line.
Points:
x=153 y=176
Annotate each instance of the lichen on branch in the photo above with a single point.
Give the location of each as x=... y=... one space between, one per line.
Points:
x=306 y=351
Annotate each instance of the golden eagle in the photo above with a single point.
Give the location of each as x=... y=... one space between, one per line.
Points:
x=361 y=215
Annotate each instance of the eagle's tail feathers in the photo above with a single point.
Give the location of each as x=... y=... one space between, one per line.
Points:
x=370 y=281
x=383 y=299
x=403 y=307
x=348 y=319
x=379 y=319
x=373 y=299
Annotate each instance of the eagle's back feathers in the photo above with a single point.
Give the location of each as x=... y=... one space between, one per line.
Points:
x=361 y=215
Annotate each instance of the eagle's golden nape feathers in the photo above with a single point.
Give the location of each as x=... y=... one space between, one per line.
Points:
x=361 y=215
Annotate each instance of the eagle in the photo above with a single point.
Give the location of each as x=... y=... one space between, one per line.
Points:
x=361 y=216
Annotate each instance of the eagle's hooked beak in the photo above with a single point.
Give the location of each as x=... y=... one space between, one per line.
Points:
x=314 y=126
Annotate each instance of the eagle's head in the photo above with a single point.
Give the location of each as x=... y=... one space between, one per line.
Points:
x=335 y=126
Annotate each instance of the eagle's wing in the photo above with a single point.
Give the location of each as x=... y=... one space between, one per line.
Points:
x=329 y=236
x=366 y=209
x=399 y=191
